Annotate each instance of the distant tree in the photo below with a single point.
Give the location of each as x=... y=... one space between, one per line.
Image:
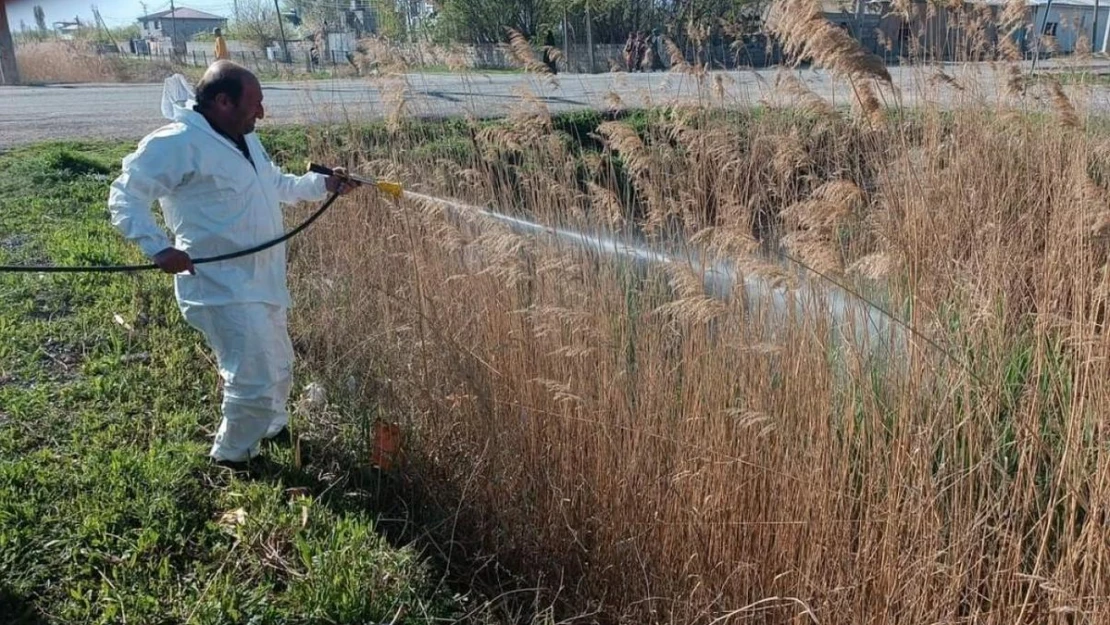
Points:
x=391 y=19
x=484 y=21
x=40 y=18
x=313 y=14
x=487 y=21
x=687 y=22
x=256 y=24
x=124 y=33
x=26 y=33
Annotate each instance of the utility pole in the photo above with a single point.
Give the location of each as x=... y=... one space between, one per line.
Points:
x=173 y=16
x=9 y=73
x=590 y=38
x=1040 y=35
x=281 y=27
x=104 y=27
x=1094 y=31
x=566 y=38
x=859 y=20
x=1105 y=36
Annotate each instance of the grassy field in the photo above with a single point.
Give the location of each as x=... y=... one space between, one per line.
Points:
x=109 y=509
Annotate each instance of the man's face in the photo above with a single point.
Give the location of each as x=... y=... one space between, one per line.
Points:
x=249 y=109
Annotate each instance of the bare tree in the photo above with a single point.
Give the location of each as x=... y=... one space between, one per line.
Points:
x=314 y=13
x=257 y=23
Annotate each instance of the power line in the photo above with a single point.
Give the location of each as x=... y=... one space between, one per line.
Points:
x=281 y=27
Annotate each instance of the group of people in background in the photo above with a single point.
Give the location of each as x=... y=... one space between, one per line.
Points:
x=642 y=52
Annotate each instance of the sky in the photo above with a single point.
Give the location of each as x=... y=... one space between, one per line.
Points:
x=114 y=12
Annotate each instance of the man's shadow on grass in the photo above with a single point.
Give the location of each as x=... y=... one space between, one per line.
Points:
x=337 y=478
x=18 y=610
x=405 y=512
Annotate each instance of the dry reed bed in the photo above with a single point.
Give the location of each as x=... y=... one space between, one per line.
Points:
x=77 y=62
x=51 y=61
x=642 y=453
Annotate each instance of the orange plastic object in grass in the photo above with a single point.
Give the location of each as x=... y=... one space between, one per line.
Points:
x=387 y=445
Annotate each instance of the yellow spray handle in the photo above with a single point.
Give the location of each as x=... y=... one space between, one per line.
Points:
x=391 y=188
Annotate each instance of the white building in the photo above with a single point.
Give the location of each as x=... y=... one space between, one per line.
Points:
x=1067 y=22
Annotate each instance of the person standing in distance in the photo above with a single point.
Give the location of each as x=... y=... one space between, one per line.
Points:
x=220 y=46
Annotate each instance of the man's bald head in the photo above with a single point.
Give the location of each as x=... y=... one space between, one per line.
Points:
x=230 y=96
x=223 y=77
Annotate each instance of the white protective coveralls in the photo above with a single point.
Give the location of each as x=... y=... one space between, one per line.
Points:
x=215 y=202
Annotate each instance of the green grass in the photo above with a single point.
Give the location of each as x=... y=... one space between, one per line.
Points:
x=109 y=509
x=1073 y=77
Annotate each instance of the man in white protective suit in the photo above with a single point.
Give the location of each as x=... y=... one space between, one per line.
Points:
x=220 y=193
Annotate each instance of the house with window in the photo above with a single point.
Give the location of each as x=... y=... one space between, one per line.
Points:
x=1070 y=23
x=178 y=25
x=66 y=29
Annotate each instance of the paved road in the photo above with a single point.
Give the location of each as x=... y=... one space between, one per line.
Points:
x=118 y=111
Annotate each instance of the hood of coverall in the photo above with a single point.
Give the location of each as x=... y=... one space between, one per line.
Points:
x=177 y=98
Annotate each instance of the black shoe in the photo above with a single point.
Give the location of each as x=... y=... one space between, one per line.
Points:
x=260 y=466
x=283 y=437
x=235 y=467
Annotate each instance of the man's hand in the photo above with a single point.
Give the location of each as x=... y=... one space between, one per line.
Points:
x=340 y=183
x=173 y=260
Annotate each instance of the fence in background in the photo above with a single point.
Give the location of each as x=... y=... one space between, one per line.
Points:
x=575 y=58
x=258 y=62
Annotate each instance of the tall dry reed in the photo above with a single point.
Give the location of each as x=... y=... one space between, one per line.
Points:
x=641 y=452
x=77 y=62
x=59 y=61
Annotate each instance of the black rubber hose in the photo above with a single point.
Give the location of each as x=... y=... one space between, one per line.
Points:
x=196 y=261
